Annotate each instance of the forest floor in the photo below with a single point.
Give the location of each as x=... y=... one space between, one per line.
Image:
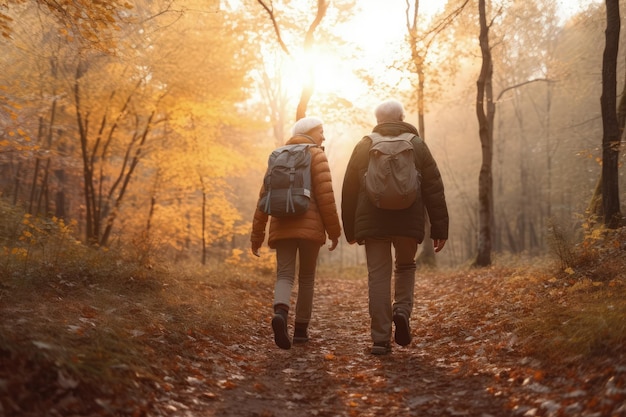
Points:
x=150 y=347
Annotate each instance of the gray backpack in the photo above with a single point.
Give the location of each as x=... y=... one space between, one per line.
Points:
x=287 y=181
x=392 y=181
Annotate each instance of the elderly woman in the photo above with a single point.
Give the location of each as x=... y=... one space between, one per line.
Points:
x=300 y=236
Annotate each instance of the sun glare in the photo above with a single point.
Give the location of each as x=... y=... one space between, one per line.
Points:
x=375 y=31
x=332 y=75
x=371 y=38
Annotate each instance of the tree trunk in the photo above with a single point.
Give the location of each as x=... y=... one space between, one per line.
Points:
x=91 y=215
x=125 y=178
x=485 y=111
x=33 y=186
x=60 y=210
x=17 y=183
x=610 y=134
x=309 y=87
x=204 y=204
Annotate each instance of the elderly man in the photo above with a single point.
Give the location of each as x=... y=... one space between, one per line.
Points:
x=381 y=229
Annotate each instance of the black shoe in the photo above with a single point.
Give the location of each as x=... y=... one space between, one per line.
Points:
x=403 y=331
x=381 y=348
x=300 y=334
x=279 y=325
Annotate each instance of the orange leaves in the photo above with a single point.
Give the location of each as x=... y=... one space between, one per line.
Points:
x=538 y=375
x=226 y=384
x=204 y=346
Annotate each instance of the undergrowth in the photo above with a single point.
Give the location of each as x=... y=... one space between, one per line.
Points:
x=93 y=319
x=583 y=304
x=75 y=314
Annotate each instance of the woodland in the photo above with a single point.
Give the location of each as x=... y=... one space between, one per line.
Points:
x=152 y=121
x=134 y=135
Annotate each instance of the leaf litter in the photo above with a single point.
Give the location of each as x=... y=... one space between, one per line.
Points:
x=473 y=353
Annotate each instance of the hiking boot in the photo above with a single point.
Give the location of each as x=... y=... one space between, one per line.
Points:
x=381 y=348
x=300 y=334
x=279 y=325
x=403 y=331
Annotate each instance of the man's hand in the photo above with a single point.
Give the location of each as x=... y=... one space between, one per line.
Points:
x=254 y=247
x=439 y=244
x=333 y=244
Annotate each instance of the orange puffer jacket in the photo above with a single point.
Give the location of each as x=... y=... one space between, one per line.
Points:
x=321 y=217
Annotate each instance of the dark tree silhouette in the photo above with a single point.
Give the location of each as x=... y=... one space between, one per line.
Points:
x=610 y=131
x=485 y=112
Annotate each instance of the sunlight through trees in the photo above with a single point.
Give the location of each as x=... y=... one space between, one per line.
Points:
x=153 y=120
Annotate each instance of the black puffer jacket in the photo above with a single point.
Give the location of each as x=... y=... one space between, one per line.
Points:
x=362 y=219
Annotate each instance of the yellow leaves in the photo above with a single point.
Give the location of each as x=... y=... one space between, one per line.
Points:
x=266 y=263
x=17 y=252
x=586 y=284
x=235 y=257
x=18 y=135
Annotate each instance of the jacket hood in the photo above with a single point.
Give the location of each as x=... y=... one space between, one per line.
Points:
x=300 y=138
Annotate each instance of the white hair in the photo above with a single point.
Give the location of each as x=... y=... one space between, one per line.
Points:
x=389 y=111
x=305 y=124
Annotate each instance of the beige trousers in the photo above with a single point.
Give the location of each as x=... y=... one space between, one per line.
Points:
x=381 y=265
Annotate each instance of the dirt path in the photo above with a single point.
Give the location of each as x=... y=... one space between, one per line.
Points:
x=335 y=375
x=468 y=356
x=463 y=361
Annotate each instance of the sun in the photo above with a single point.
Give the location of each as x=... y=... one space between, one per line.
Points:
x=331 y=74
x=367 y=41
x=334 y=75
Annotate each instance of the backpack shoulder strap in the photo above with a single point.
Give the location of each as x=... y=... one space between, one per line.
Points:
x=407 y=136
x=375 y=137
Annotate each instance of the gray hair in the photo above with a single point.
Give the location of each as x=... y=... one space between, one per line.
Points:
x=389 y=111
x=306 y=124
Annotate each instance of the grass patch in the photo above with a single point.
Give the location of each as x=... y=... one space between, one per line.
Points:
x=575 y=324
x=580 y=313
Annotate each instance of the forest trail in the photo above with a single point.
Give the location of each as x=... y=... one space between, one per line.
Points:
x=462 y=361
x=192 y=348
x=335 y=374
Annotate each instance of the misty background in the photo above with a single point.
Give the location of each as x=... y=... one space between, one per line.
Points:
x=150 y=123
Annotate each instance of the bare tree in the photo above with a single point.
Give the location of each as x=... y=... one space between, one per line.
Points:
x=611 y=131
x=420 y=43
x=485 y=112
x=309 y=40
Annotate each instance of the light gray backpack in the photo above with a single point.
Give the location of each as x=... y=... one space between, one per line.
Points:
x=392 y=181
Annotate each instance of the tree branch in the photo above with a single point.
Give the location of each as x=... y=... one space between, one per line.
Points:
x=547 y=80
x=270 y=12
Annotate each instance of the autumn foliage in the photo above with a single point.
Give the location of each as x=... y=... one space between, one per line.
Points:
x=87 y=331
x=132 y=144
